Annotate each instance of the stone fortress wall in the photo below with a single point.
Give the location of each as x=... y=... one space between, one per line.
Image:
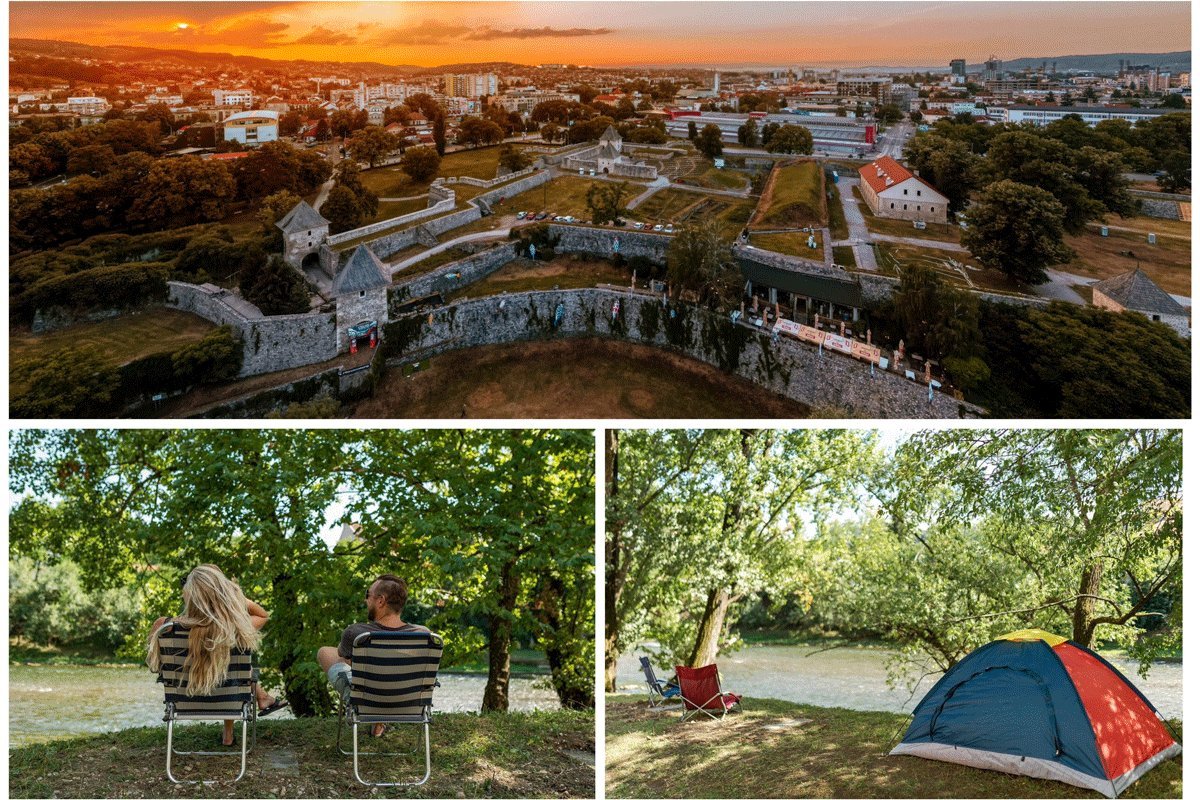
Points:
x=270 y=344
x=787 y=366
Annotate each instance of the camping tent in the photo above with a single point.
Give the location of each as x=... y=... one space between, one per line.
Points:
x=1031 y=703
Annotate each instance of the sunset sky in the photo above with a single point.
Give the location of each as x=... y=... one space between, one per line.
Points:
x=614 y=34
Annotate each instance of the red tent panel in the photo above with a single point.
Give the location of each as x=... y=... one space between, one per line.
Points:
x=1127 y=730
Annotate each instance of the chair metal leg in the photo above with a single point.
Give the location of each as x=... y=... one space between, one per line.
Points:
x=428 y=762
x=171 y=750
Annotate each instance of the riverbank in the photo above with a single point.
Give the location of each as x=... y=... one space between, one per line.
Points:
x=779 y=749
x=539 y=754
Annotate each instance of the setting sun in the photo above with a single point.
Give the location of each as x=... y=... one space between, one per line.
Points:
x=183 y=26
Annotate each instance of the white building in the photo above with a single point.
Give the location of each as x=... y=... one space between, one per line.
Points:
x=252 y=127
x=86 y=106
x=233 y=97
x=167 y=99
x=890 y=190
x=1044 y=115
x=469 y=85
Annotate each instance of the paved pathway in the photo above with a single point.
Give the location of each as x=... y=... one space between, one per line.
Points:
x=659 y=184
x=742 y=194
x=932 y=244
x=402 y=199
x=860 y=236
x=323 y=194
x=396 y=266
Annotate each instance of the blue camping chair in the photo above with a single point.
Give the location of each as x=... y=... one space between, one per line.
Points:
x=660 y=690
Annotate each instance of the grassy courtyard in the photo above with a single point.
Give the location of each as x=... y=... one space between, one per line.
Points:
x=792 y=243
x=1168 y=262
x=678 y=206
x=524 y=275
x=794 y=198
x=969 y=275
x=393 y=181
x=566 y=196
x=774 y=748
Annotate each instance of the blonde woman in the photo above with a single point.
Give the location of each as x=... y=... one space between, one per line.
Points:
x=218 y=617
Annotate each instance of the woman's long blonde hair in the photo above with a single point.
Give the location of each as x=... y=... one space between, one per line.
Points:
x=214 y=612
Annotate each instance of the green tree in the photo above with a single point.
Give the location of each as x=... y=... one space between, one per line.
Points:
x=275 y=286
x=161 y=115
x=606 y=201
x=747 y=134
x=514 y=159
x=1176 y=171
x=736 y=507
x=699 y=260
x=439 y=132
x=708 y=142
x=1173 y=101
x=214 y=359
x=183 y=190
x=421 y=163
x=1047 y=164
x=274 y=208
x=93 y=159
x=946 y=163
x=342 y=209
x=476 y=131
x=791 y=139
x=551 y=132
x=372 y=144
x=73 y=382
x=936 y=319
x=1016 y=229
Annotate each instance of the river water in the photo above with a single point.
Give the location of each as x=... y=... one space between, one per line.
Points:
x=856 y=678
x=55 y=702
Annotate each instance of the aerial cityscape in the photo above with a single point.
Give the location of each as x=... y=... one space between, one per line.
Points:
x=600 y=210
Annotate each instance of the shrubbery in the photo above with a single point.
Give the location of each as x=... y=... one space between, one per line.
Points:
x=48 y=604
x=214 y=359
x=119 y=286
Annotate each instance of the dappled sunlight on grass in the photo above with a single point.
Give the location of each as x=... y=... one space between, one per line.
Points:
x=835 y=753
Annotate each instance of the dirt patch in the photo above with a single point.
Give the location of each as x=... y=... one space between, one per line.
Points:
x=571 y=379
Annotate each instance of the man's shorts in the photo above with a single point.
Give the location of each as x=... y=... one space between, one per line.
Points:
x=339 y=676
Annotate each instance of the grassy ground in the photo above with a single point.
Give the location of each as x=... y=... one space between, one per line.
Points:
x=1173 y=227
x=394 y=182
x=794 y=198
x=780 y=749
x=844 y=256
x=562 y=197
x=561 y=273
x=890 y=256
x=837 y=215
x=574 y=378
x=707 y=175
x=117 y=341
x=21 y=651
x=1168 y=263
x=497 y=755
x=427 y=264
x=390 y=209
x=678 y=206
x=793 y=243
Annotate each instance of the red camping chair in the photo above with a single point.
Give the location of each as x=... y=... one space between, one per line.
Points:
x=701 y=692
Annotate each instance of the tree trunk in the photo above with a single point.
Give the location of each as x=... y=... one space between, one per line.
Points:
x=549 y=611
x=495 y=694
x=1089 y=584
x=614 y=568
x=711 y=624
x=304 y=698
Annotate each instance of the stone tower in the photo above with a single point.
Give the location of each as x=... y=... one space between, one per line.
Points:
x=304 y=230
x=361 y=292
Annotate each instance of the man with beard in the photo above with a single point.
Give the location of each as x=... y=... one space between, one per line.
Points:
x=385 y=603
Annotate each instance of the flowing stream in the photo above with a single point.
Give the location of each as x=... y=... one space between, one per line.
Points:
x=856 y=678
x=56 y=702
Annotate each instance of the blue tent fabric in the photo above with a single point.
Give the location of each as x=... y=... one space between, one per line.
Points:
x=1014 y=698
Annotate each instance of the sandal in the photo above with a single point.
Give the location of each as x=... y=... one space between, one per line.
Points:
x=275 y=706
x=378 y=730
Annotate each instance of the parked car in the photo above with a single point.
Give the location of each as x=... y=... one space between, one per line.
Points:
x=520 y=215
x=669 y=229
x=658 y=227
x=639 y=225
x=541 y=215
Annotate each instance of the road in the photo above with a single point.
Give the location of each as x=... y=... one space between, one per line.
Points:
x=397 y=266
x=860 y=236
x=891 y=142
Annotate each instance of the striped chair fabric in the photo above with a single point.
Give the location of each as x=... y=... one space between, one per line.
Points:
x=226 y=701
x=394 y=674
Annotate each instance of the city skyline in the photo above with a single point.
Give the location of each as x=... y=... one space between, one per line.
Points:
x=905 y=34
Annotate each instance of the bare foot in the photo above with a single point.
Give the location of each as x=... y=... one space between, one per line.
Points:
x=377 y=729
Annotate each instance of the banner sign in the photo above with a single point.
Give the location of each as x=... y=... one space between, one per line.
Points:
x=867 y=352
x=840 y=344
x=788 y=327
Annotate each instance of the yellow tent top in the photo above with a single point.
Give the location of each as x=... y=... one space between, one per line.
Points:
x=1032 y=634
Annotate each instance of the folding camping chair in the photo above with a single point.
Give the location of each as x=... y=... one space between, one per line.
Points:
x=660 y=690
x=700 y=690
x=232 y=699
x=392 y=678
